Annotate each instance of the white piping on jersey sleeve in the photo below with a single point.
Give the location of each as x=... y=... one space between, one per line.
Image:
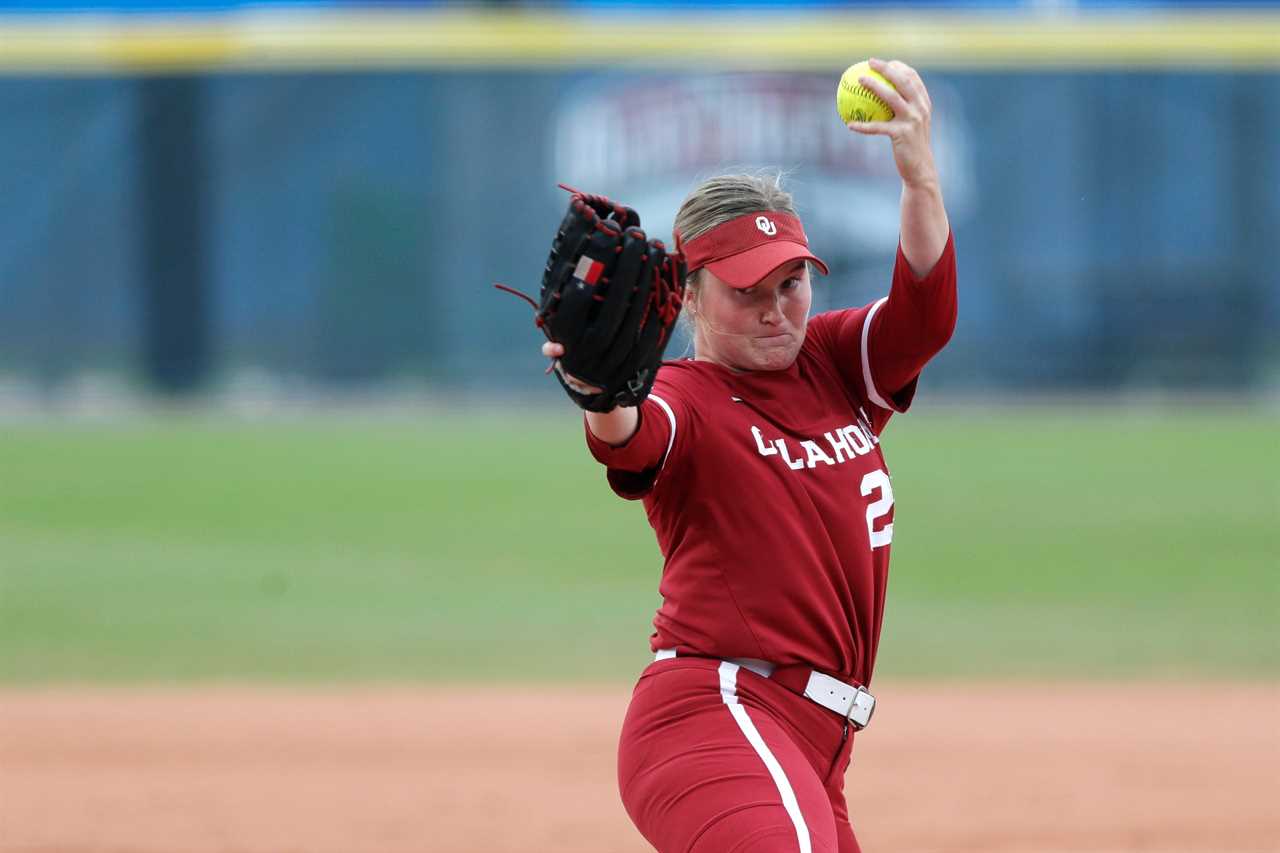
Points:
x=872 y=394
x=671 y=416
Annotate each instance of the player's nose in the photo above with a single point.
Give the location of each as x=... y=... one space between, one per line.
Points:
x=771 y=311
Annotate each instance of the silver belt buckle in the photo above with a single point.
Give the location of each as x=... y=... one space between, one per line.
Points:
x=855 y=704
x=861 y=709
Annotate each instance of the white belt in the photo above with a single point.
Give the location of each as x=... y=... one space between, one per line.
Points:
x=853 y=702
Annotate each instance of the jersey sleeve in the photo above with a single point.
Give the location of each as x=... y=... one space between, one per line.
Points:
x=881 y=348
x=633 y=469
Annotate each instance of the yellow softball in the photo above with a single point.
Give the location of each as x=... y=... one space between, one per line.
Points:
x=855 y=102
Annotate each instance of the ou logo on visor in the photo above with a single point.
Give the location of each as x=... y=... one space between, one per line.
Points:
x=766 y=225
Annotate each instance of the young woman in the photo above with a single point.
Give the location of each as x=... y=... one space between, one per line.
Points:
x=759 y=465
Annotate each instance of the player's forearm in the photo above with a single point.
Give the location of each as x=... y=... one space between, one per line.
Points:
x=615 y=427
x=924 y=224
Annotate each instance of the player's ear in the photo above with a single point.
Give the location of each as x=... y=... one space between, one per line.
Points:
x=692 y=287
x=689 y=310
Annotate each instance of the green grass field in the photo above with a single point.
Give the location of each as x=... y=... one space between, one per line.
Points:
x=1053 y=542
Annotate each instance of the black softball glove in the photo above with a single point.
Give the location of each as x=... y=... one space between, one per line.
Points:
x=610 y=296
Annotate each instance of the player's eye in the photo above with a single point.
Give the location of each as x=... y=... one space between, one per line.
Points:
x=748 y=291
x=791 y=283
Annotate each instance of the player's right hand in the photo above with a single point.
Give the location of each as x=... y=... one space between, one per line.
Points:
x=908 y=130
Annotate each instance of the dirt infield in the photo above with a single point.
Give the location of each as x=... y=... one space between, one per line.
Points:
x=965 y=768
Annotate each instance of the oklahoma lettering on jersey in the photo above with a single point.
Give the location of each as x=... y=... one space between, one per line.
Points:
x=768 y=490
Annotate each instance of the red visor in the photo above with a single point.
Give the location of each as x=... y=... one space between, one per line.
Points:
x=742 y=251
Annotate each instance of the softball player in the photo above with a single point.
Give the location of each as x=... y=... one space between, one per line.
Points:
x=760 y=468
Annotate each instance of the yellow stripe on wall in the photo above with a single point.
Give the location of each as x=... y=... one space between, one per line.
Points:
x=442 y=39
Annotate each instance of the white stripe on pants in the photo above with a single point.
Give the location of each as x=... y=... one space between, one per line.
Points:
x=729 y=691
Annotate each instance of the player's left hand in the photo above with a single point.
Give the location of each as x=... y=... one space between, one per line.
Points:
x=908 y=130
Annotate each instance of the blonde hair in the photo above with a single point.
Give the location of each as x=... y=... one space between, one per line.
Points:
x=722 y=198
x=717 y=200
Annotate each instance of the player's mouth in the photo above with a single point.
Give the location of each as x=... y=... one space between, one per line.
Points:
x=774 y=340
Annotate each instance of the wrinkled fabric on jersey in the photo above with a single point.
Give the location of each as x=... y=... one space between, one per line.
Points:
x=768 y=491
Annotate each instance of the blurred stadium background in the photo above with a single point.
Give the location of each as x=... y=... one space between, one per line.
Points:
x=263 y=419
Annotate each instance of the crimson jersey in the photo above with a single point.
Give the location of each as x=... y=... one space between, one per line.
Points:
x=768 y=491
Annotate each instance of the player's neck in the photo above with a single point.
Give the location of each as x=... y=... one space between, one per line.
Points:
x=699 y=356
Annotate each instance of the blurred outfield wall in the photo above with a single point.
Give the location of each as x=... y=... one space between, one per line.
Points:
x=349 y=184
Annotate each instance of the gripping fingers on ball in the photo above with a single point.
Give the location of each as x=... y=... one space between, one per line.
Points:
x=915 y=83
x=904 y=78
x=888 y=94
x=893 y=71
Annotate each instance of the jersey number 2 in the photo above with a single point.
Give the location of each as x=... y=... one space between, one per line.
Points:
x=878 y=508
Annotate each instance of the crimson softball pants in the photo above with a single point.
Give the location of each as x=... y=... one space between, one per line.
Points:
x=714 y=758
